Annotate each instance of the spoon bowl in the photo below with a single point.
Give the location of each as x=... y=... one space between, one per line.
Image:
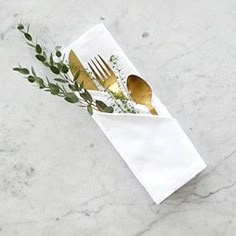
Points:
x=140 y=92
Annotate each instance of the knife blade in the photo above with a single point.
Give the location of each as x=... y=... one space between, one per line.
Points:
x=75 y=65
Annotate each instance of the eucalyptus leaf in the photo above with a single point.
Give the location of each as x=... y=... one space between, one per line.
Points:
x=23 y=71
x=63 y=88
x=40 y=82
x=63 y=58
x=40 y=57
x=51 y=59
x=46 y=64
x=48 y=80
x=76 y=86
x=61 y=80
x=64 y=68
x=81 y=85
x=88 y=95
x=71 y=97
x=58 y=53
x=109 y=109
x=31 y=45
x=28 y=36
x=100 y=105
x=59 y=65
x=76 y=75
x=28 y=28
x=55 y=70
x=90 y=110
x=38 y=49
x=72 y=87
x=33 y=71
x=20 y=26
x=54 y=89
x=31 y=79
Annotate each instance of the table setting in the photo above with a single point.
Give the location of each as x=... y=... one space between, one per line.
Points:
x=122 y=103
x=110 y=112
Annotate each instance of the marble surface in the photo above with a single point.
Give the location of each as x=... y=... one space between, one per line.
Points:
x=59 y=175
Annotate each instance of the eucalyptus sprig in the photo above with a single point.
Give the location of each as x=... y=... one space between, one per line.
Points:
x=74 y=93
x=125 y=100
x=84 y=100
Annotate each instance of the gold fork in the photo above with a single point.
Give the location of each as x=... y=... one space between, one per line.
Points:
x=105 y=75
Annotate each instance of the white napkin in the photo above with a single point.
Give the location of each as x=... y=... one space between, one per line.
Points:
x=155 y=148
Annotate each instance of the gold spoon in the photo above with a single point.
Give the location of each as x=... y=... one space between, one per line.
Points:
x=141 y=92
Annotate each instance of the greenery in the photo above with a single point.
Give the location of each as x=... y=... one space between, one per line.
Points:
x=126 y=100
x=62 y=85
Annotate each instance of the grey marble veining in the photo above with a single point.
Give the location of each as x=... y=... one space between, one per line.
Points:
x=58 y=173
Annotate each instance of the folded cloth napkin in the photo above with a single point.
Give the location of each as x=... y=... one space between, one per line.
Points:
x=155 y=148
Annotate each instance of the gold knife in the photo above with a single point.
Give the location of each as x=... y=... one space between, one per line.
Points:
x=75 y=66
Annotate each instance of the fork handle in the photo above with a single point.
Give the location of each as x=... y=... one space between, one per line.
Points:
x=152 y=109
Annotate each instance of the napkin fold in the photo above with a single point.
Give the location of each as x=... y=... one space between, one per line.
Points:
x=155 y=148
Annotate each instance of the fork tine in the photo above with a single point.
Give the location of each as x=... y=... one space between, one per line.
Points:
x=108 y=67
x=101 y=74
x=102 y=67
x=95 y=73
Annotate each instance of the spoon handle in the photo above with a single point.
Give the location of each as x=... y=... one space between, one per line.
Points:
x=152 y=109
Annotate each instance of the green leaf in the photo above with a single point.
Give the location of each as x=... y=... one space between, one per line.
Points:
x=71 y=97
x=30 y=44
x=55 y=70
x=100 y=105
x=31 y=79
x=59 y=65
x=46 y=64
x=64 y=68
x=38 y=49
x=76 y=86
x=47 y=80
x=23 y=71
x=44 y=54
x=58 y=53
x=82 y=85
x=54 y=89
x=61 y=80
x=109 y=109
x=51 y=59
x=64 y=89
x=33 y=71
x=28 y=28
x=77 y=75
x=72 y=87
x=28 y=36
x=86 y=96
x=20 y=26
x=90 y=110
x=40 y=57
x=40 y=82
x=63 y=58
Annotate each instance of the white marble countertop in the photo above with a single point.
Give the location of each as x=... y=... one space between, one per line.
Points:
x=59 y=175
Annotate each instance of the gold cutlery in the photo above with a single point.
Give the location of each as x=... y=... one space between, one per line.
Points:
x=105 y=75
x=75 y=66
x=140 y=92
